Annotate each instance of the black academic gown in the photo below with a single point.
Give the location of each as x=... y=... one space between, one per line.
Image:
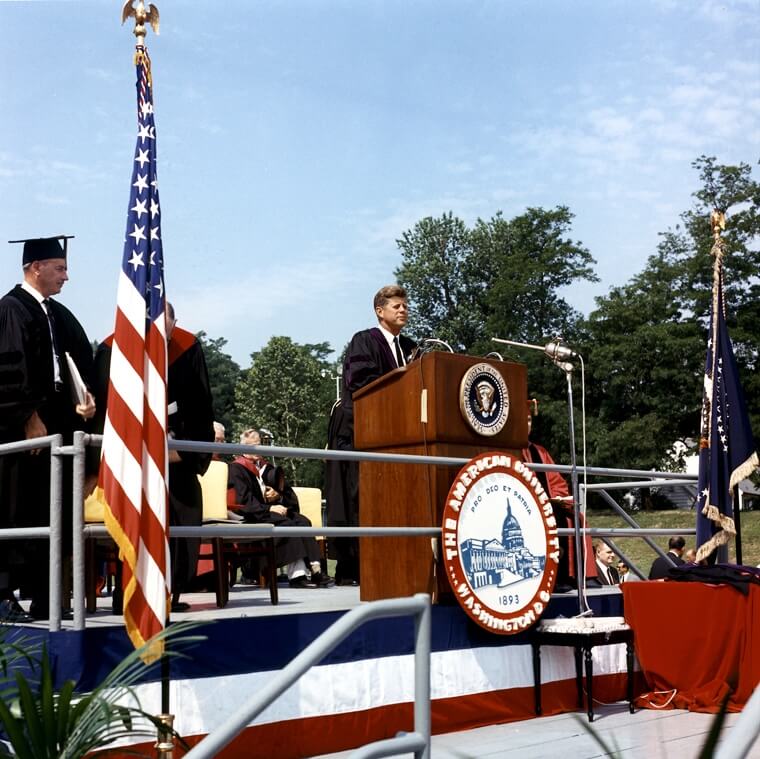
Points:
x=188 y=390
x=27 y=385
x=247 y=499
x=368 y=357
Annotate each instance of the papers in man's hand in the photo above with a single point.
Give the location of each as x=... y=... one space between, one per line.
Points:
x=78 y=388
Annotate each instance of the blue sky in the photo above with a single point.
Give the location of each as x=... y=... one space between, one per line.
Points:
x=297 y=140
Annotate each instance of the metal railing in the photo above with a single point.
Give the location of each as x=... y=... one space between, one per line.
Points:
x=417 y=741
x=82 y=531
x=53 y=533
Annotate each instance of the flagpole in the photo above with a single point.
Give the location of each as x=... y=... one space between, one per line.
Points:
x=738 y=526
x=165 y=743
x=718 y=224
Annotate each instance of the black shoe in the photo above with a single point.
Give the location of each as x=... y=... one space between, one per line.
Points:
x=347 y=582
x=302 y=581
x=39 y=612
x=11 y=612
x=324 y=581
x=180 y=606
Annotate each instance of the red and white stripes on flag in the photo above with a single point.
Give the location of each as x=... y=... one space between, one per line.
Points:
x=134 y=463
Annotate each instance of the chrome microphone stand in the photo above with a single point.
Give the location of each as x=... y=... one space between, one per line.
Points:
x=556 y=352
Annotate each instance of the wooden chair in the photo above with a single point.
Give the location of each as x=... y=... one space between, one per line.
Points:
x=228 y=553
x=310 y=505
x=97 y=551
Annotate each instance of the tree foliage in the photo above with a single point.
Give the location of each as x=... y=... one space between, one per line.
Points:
x=284 y=391
x=501 y=278
x=441 y=272
x=644 y=343
x=646 y=340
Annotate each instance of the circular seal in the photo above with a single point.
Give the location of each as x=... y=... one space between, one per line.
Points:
x=501 y=550
x=484 y=399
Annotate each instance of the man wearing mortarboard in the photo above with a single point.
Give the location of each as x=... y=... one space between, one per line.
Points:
x=39 y=395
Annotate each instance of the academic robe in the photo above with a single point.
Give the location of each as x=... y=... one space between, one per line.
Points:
x=368 y=357
x=245 y=496
x=555 y=486
x=189 y=392
x=27 y=385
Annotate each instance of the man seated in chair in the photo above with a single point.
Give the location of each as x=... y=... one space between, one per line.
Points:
x=258 y=491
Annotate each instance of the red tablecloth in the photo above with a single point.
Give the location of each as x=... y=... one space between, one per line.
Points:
x=696 y=639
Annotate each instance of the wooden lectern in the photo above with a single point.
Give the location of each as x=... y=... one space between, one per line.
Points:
x=415 y=410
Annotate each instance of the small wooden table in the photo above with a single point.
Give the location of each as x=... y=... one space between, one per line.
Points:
x=582 y=642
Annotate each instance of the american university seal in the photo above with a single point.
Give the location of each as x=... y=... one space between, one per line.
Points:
x=484 y=399
x=500 y=545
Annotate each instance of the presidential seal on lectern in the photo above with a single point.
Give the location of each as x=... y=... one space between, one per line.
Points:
x=484 y=399
x=501 y=550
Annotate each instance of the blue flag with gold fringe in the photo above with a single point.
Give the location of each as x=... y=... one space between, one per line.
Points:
x=727 y=451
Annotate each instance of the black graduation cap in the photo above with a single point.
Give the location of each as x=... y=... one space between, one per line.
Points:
x=40 y=248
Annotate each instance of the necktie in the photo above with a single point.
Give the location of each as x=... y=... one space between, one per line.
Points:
x=399 y=357
x=53 y=341
x=609 y=576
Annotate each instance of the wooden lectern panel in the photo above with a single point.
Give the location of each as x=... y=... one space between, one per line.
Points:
x=389 y=417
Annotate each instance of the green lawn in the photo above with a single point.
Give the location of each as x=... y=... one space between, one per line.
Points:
x=642 y=555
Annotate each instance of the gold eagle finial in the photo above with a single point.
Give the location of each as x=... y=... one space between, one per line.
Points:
x=141 y=15
x=717 y=221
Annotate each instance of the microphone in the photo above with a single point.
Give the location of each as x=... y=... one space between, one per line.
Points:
x=558 y=352
x=424 y=346
x=555 y=350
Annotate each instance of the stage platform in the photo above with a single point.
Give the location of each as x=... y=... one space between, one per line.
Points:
x=647 y=734
x=361 y=692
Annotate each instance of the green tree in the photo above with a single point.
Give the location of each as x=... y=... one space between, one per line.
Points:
x=646 y=340
x=502 y=278
x=531 y=259
x=446 y=288
x=223 y=375
x=284 y=390
x=644 y=371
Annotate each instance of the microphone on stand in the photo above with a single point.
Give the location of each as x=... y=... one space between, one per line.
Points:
x=426 y=344
x=555 y=350
x=558 y=352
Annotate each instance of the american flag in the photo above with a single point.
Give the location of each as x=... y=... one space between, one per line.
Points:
x=134 y=463
x=726 y=447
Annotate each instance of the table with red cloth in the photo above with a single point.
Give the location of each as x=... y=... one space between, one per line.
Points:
x=695 y=639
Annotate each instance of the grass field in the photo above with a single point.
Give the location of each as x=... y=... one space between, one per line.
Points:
x=642 y=555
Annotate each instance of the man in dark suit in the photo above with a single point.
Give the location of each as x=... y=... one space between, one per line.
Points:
x=661 y=565
x=370 y=354
x=606 y=573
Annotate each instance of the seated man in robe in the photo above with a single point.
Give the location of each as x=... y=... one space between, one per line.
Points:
x=258 y=491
